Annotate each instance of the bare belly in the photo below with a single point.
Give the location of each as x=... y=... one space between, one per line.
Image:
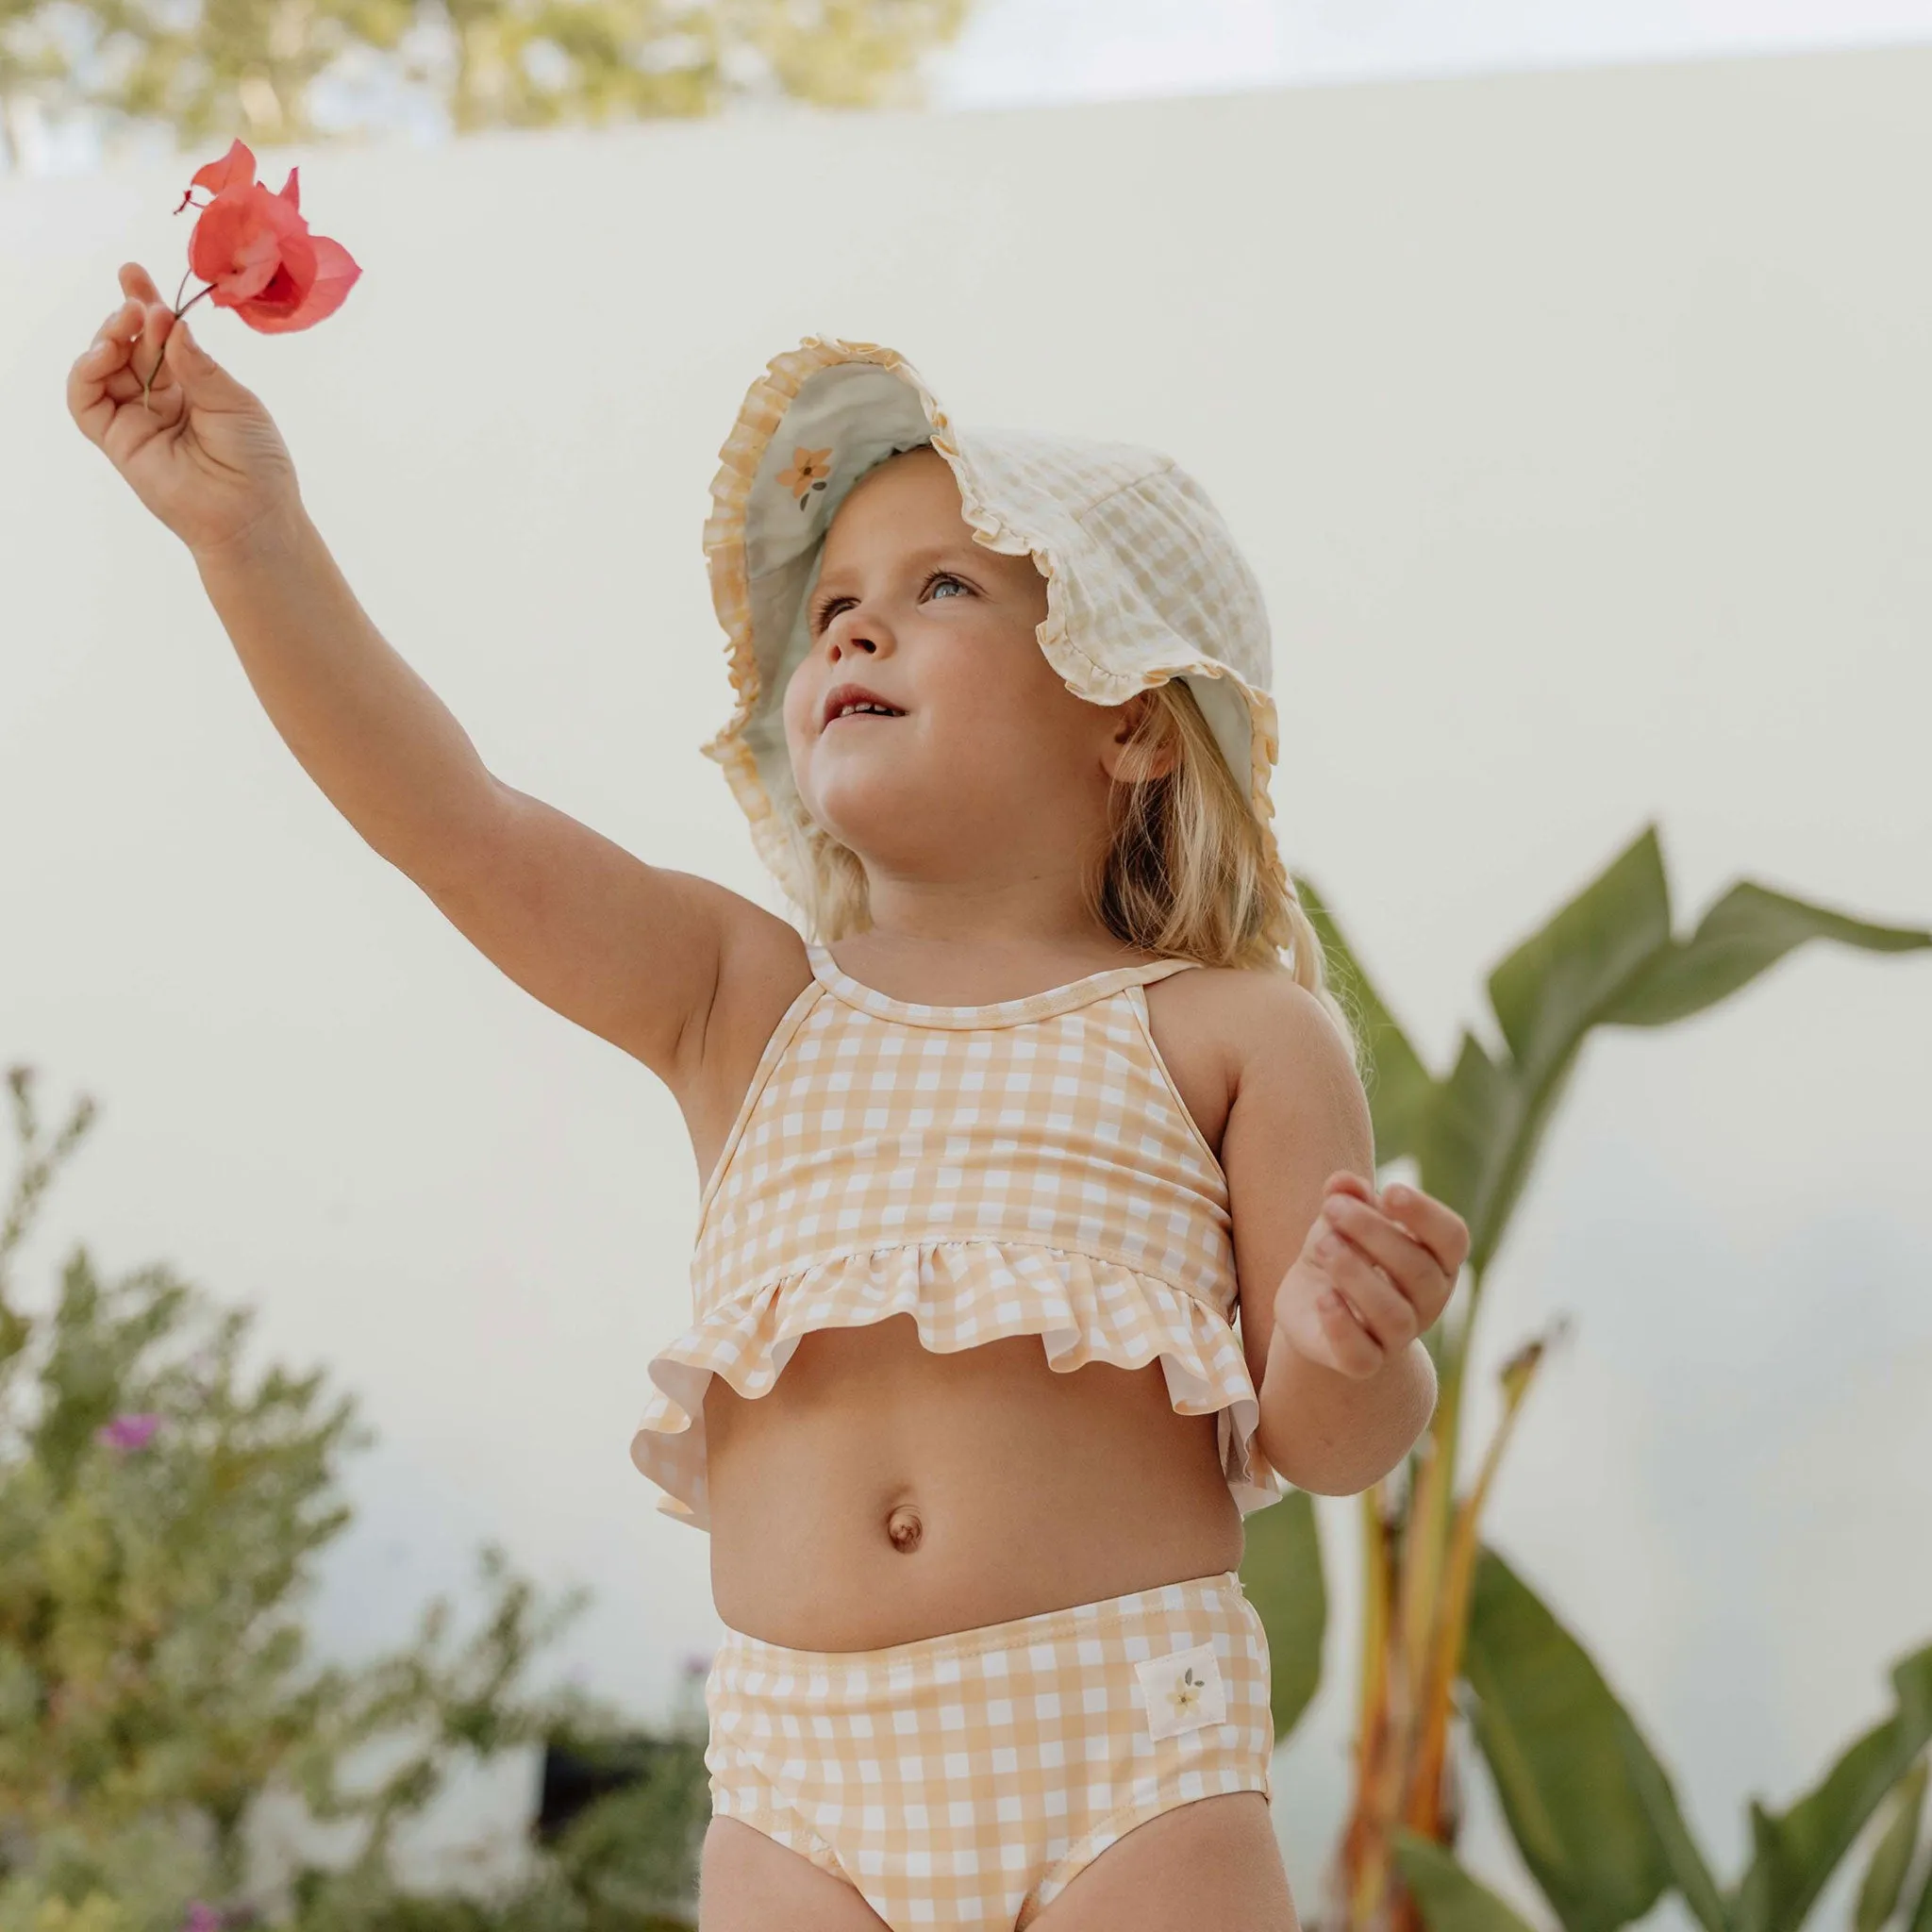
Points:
x=878 y=1493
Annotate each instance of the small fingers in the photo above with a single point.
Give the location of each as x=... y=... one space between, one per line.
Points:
x=125 y=321
x=1411 y=1269
x=110 y=347
x=87 y=384
x=136 y=283
x=1438 y=1227
x=1382 y=1308
x=158 y=325
x=117 y=364
x=1353 y=1351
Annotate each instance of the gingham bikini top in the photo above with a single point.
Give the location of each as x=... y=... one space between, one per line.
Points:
x=1025 y=1167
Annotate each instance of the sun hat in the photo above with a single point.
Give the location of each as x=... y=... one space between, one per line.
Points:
x=1143 y=579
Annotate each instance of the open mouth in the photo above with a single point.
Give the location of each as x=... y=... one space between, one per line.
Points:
x=854 y=701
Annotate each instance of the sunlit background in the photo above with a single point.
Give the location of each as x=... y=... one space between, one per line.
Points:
x=1011 y=53
x=1563 y=370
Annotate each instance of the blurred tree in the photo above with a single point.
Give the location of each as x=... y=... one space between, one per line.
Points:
x=282 y=70
x=34 y=65
x=160 y=1515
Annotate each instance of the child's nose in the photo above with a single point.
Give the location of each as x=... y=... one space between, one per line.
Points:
x=854 y=632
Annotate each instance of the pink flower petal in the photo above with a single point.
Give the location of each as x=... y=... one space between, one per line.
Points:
x=236 y=169
x=236 y=245
x=335 y=274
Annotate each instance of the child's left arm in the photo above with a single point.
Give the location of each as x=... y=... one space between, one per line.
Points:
x=1337 y=1284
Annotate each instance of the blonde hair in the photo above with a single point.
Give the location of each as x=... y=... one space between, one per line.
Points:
x=1186 y=872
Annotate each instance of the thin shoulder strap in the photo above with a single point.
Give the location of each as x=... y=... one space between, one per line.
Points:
x=1039 y=1006
x=1154 y=969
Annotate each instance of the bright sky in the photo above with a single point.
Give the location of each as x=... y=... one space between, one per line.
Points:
x=1056 y=50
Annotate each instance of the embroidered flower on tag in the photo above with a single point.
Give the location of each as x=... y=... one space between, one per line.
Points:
x=1182 y=1690
x=1187 y=1693
x=809 y=469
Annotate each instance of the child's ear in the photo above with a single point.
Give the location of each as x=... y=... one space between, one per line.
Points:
x=1127 y=762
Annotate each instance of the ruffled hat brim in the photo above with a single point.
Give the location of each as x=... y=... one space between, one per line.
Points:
x=1144 y=580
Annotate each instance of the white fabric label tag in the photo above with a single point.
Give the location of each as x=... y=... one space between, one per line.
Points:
x=1182 y=1690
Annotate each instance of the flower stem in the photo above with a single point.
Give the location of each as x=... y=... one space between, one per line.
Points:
x=177 y=313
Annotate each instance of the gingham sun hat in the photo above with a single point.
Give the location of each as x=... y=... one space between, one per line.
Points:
x=1144 y=581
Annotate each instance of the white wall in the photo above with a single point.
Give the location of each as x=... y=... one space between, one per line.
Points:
x=1576 y=425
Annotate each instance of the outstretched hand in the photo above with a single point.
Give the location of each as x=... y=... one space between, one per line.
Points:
x=198 y=449
x=1372 y=1273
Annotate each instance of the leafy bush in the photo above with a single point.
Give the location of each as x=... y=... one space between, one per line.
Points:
x=161 y=1512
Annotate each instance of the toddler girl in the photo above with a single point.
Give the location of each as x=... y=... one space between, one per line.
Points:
x=994 y=1162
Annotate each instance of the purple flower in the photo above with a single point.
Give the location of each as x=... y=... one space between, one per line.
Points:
x=137 y=1432
x=697 y=1663
x=202 y=1917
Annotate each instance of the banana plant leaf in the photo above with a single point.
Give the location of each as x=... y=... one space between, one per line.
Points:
x=1606 y=959
x=1794 y=1853
x=1281 y=1574
x=1920 y=1918
x=1690 y=1872
x=1582 y=1794
x=1891 y=1857
x=1450 y=1900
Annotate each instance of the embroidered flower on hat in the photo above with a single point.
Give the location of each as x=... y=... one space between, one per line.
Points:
x=810 y=469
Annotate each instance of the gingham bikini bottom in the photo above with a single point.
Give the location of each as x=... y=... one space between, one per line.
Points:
x=963 y=1780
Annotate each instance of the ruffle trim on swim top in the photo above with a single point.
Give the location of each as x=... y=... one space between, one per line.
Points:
x=961 y=1293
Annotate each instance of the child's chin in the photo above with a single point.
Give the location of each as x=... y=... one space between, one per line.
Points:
x=887 y=823
x=853 y=801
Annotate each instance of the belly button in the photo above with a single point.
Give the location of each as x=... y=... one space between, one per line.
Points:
x=905 y=1528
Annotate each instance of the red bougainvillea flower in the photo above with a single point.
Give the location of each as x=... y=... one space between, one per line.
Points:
x=255 y=250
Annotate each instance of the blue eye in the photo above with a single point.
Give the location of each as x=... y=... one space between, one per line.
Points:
x=945 y=577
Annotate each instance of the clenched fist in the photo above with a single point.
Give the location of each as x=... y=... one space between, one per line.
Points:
x=199 y=450
x=1372 y=1273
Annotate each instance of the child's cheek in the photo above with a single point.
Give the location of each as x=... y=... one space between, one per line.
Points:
x=799 y=700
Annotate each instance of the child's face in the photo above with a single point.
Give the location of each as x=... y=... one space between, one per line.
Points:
x=988 y=759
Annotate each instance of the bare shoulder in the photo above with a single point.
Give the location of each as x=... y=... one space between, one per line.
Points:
x=1233 y=1034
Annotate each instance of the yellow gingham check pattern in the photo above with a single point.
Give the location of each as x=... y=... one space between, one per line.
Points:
x=963 y=1780
x=1021 y=1168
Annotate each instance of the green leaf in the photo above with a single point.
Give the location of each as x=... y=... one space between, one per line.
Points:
x=1690 y=1874
x=1476 y=1123
x=1748 y=930
x=1562 y=980
x=1557 y=1745
x=1920 y=1918
x=1450 y=1899
x=1891 y=1857
x=1607 y=958
x=1795 y=1854
x=1400 y=1087
x=1281 y=1574
x=1547 y=995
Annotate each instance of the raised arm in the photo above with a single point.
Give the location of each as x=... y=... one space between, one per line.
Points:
x=632 y=951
